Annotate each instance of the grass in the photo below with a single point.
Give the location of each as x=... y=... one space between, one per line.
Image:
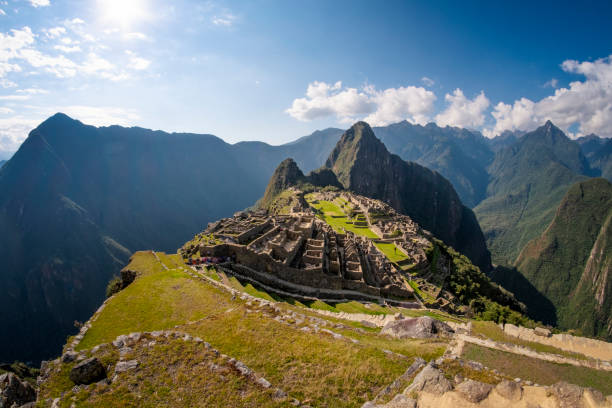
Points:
x=539 y=371
x=164 y=378
x=391 y=251
x=495 y=333
x=333 y=215
x=314 y=368
x=426 y=297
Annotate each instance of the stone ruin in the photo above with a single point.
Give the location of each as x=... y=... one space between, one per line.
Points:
x=299 y=253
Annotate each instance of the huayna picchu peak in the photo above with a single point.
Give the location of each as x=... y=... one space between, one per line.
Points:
x=364 y=166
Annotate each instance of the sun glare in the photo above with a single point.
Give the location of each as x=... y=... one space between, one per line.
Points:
x=122 y=13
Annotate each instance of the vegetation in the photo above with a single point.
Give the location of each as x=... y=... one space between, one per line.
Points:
x=539 y=371
x=114 y=286
x=311 y=367
x=529 y=180
x=336 y=218
x=391 y=251
x=492 y=331
x=556 y=262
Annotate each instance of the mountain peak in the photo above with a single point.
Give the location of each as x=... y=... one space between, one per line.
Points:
x=357 y=144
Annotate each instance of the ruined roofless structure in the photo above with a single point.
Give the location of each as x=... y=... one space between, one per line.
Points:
x=301 y=254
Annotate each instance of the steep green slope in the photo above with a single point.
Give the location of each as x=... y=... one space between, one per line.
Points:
x=528 y=180
x=570 y=262
x=363 y=165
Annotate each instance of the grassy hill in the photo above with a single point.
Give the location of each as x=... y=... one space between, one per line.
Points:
x=196 y=336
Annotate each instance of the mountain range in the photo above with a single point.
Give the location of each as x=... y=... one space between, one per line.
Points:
x=76 y=201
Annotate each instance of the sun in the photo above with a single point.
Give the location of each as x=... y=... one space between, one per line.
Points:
x=122 y=13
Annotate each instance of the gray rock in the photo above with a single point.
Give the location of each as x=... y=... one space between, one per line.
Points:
x=263 y=382
x=430 y=379
x=15 y=391
x=569 y=395
x=474 y=391
x=88 y=371
x=510 y=390
x=124 y=366
x=401 y=401
x=395 y=385
x=69 y=357
x=417 y=327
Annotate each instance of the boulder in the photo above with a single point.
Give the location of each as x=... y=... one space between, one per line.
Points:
x=418 y=327
x=431 y=380
x=88 y=371
x=14 y=391
x=509 y=390
x=474 y=391
x=569 y=395
x=123 y=366
x=540 y=331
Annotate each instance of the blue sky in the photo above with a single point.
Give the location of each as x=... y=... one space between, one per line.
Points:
x=277 y=70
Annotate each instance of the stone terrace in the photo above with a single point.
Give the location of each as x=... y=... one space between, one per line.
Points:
x=299 y=250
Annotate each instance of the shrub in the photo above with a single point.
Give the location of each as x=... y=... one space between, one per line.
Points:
x=114 y=286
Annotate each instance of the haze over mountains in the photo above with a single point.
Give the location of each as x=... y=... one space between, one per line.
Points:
x=76 y=201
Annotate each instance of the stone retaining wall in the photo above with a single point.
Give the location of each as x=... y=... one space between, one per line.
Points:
x=589 y=347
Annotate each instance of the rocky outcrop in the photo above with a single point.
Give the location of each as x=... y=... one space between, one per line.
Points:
x=362 y=164
x=14 y=391
x=88 y=371
x=418 y=327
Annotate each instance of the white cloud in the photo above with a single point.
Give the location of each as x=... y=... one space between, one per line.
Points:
x=428 y=81
x=587 y=103
x=2 y=12
x=138 y=63
x=552 y=83
x=6 y=111
x=40 y=3
x=60 y=66
x=11 y=44
x=32 y=91
x=13 y=131
x=350 y=104
x=225 y=20
x=14 y=97
x=66 y=49
x=463 y=112
x=55 y=32
x=135 y=36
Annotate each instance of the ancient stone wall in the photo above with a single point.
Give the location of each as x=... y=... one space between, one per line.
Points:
x=589 y=347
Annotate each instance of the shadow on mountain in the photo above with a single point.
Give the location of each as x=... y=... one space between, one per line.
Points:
x=539 y=307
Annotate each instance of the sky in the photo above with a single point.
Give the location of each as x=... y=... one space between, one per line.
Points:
x=277 y=70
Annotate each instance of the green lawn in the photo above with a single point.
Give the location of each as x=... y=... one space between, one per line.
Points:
x=333 y=215
x=391 y=251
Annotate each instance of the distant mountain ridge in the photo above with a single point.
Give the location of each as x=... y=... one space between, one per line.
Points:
x=527 y=181
x=108 y=192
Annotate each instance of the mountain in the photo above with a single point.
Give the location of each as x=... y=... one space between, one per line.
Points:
x=505 y=139
x=2 y=163
x=598 y=152
x=76 y=201
x=570 y=262
x=528 y=179
x=363 y=165
x=460 y=155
